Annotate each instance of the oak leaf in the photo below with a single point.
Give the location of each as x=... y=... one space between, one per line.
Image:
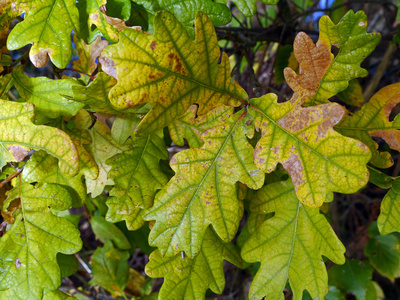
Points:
x=319 y=160
x=170 y=71
x=289 y=245
x=48 y=33
x=203 y=190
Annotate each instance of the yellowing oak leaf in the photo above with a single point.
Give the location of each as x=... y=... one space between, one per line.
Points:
x=189 y=278
x=203 y=190
x=28 y=250
x=389 y=217
x=289 y=245
x=137 y=176
x=319 y=160
x=19 y=135
x=373 y=120
x=170 y=71
x=47 y=26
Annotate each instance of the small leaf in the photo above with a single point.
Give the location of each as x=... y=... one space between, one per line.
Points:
x=249 y=7
x=289 y=245
x=187 y=70
x=19 y=135
x=123 y=127
x=110 y=269
x=106 y=231
x=28 y=265
x=47 y=94
x=102 y=148
x=43 y=168
x=373 y=120
x=88 y=55
x=203 y=190
x=354 y=44
x=187 y=278
x=353 y=94
x=389 y=217
x=68 y=264
x=6 y=83
x=353 y=277
x=319 y=160
x=383 y=252
x=48 y=33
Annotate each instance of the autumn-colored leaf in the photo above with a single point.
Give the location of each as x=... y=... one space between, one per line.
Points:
x=322 y=75
x=373 y=120
x=19 y=135
x=289 y=245
x=48 y=33
x=47 y=94
x=203 y=190
x=88 y=55
x=319 y=160
x=28 y=264
x=189 y=278
x=170 y=71
x=191 y=128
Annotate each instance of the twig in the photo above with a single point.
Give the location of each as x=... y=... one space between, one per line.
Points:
x=9 y=178
x=84 y=265
x=77 y=71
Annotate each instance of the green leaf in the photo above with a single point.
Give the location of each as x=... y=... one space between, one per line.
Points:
x=203 y=190
x=190 y=127
x=102 y=148
x=187 y=278
x=289 y=245
x=123 y=209
x=136 y=172
x=95 y=95
x=106 y=231
x=123 y=127
x=19 y=135
x=389 y=217
x=48 y=33
x=249 y=7
x=353 y=94
x=354 y=44
x=185 y=11
x=47 y=94
x=95 y=10
x=57 y=295
x=68 y=264
x=353 y=277
x=170 y=71
x=6 y=83
x=373 y=120
x=43 y=168
x=319 y=160
x=110 y=269
x=29 y=248
x=383 y=252
x=119 y=9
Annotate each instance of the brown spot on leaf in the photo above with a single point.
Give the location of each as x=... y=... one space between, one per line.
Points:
x=18 y=152
x=153 y=45
x=295 y=168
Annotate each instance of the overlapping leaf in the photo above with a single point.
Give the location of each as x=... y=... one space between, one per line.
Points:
x=189 y=278
x=319 y=160
x=289 y=245
x=88 y=55
x=137 y=176
x=354 y=44
x=203 y=190
x=249 y=7
x=102 y=148
x=190 y=128
x=389 y=217
x=19 y=135
x=110 y=269
x=373 y=120
x=28 y=261
x=48 y=33
x=170 y=71
x=47 y=94
x=43 y=168
x=185 y=11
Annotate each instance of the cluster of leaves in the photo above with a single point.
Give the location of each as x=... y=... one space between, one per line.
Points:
x=101 y=142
